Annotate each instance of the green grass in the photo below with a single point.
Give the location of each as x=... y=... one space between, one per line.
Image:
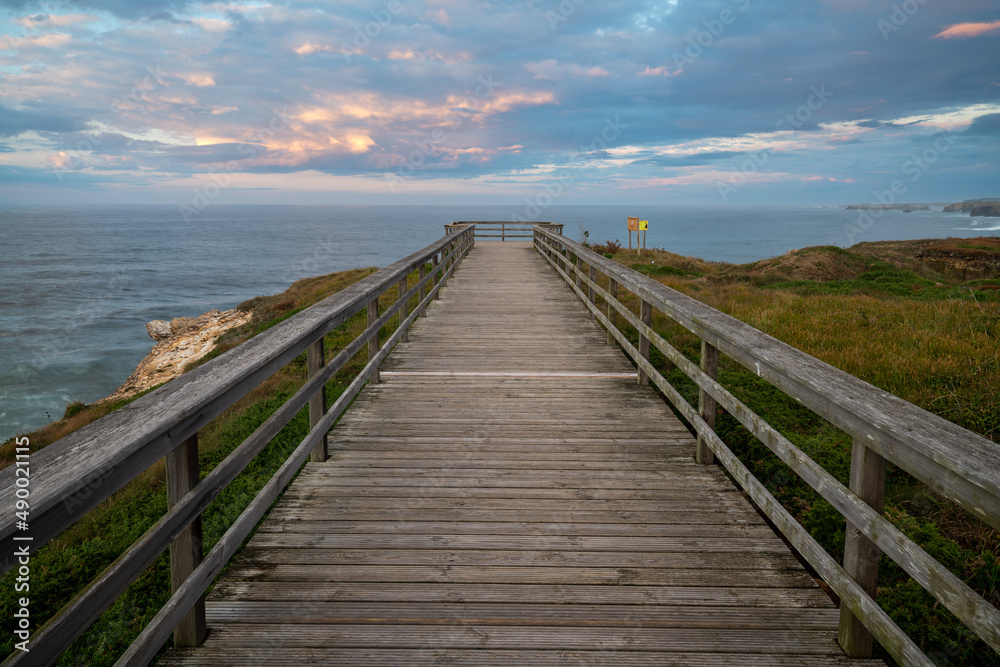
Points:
x=935 y=343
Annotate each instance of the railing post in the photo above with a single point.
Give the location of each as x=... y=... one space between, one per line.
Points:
x=403 y=310
x=706 y=404
x=437 y=273
x=591 y=292
x=612 y=313
x=579 y=271
x=185 y=551
x=861 y=556
x=503 y=232
x=317 y=404
x=373 y=341
x=646 y=317
x=422 y=292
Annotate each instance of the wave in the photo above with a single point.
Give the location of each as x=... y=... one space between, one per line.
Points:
x=979 y=229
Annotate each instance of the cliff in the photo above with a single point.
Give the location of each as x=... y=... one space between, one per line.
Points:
x=986 y=211
x=178 y=343
x=969 y=204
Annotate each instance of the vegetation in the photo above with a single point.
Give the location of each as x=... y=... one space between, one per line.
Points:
x=80 y=553
x=918 y=319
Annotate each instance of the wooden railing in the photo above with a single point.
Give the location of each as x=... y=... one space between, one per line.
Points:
x=72 y=476
x=499 y=229
x=956 y=463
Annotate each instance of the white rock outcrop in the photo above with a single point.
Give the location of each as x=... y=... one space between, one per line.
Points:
x=179 y=342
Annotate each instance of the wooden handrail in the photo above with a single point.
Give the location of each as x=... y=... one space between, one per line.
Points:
x=957 y=463
x=123 y=444
x=507 y=229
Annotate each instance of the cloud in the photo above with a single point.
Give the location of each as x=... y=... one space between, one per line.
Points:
x=553 y=70
x=657 y=71
x=309 y=48
x=415 y=86
x=42 y=118
x=967 y=30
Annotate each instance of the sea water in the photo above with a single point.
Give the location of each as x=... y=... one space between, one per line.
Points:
x=78 y=283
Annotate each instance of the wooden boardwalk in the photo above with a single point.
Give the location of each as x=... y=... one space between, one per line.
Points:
x=509 y=496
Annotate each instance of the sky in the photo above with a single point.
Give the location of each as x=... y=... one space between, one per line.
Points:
x=714 y=102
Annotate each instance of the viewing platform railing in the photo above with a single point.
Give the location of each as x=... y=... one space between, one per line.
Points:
x=956 y=463
x=505 y=231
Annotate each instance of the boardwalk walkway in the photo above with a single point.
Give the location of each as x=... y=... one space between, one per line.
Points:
x=509 y=495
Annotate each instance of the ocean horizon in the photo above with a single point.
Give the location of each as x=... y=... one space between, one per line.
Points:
x=82 y=281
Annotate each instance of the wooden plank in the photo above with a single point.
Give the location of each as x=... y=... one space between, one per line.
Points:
x=281 y=657
x=519 y=614
x=792 y=642
x=608 y=576
x=676 y=596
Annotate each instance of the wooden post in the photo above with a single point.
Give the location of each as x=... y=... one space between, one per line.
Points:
x=591 y=292
x=373 y=341
x=317 y=404
x=579 y=271
x=422 y=292
x=437 y=273
x=860 y=554
x=646 y=317
x=403 y=310
x=503 y=232
x=186 y=550
x=706 y=404
x=612 y=313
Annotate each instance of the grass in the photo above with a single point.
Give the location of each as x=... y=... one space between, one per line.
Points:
x=70 y=561
x=897 y=317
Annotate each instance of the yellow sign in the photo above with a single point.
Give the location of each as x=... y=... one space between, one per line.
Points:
x=633 y=224
x=643 y=225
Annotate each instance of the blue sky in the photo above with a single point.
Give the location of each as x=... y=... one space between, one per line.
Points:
x=735 y=102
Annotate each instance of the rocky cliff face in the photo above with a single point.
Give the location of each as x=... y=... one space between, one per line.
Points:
x=178 y=343
x=969 y=204
x=986 y=211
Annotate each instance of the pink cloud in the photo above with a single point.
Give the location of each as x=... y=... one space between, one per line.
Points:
x=967 y=30
x=656 y=71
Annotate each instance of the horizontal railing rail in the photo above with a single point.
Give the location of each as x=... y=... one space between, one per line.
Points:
x=504 y=230
x=959 y=464
x=74 y=474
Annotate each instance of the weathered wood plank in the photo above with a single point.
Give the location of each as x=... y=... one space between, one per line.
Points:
x=272 y=657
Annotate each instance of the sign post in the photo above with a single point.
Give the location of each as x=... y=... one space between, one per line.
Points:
x=633 y=226
x=643 y=226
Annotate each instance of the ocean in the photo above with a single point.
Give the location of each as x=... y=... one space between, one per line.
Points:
x=80 y=282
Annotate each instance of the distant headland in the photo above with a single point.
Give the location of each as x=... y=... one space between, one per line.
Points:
x=986 y=207
x=983 y=207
